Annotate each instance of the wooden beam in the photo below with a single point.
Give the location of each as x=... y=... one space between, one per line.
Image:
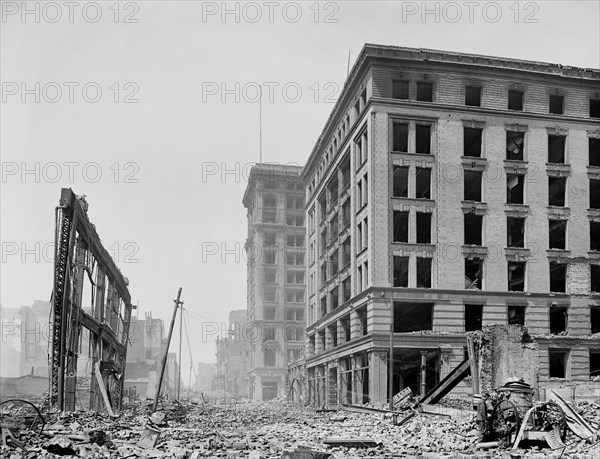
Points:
x=103 y=390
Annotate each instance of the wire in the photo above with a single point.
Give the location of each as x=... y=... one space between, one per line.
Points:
x=187 y=337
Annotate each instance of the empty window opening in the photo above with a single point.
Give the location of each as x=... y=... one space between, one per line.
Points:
x=294 y=296
x=401 y=271
x=473 y=274
x=334 y=228
x=594 y=151
x=515 y=145
x=345 y=169
x=558 y=361
x=334 y=298
x=321 y=337
x=346 y=289
x=362 y=320
x=515 y=100
x=594 y=108
x=472 y=185
x=332 y=330
x=270 y=312
x=409 y=317
x=346 y=253
x=400 y=182
x=516 y=315
x=595 y=194
x=516 y=276
x=399 y=89
x=557 y=233
x=423 y=228
x=558 y=320
x=408 y=370
x=423 y=272
x=556 y=104
x=472 y=142
x=323 y=306
x=556 y=191
x=595 y=278
x=594 y=235
x=270 y=357
x=595 y=319
x=424 y=91
x=332 y=191
x=473 y=317
x=423 y=180
x=514 y=188
x=473 y=229
x=423 y=139
x=345 y=323
x=556 y=149
x=594 y=364
x=400 y=137
x=515 y=232
x=473 y=96
x=400 y=226
x=558 y=277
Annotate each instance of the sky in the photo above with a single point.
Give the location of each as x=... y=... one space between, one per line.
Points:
x=150 y=109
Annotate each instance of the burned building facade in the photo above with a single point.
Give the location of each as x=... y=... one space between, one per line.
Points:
x=231 y=355
x=276 y=283
x=449 y=191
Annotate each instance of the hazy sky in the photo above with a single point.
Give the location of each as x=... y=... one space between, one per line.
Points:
x=164 y=176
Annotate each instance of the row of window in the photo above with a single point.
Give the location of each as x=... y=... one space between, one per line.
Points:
x=424 y=92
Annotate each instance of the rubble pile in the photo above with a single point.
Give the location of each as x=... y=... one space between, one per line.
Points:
x=267 y=430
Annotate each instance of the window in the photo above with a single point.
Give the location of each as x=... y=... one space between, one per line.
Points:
x=516 y=315
x=270 y=357
x=595 y=278
x=270 y=254
x=346 y=289
x=270 y=294
x=473 y=317
x=472 y=142
x=361 y=149
x=557 y=233
x=359 y=238
x=423 y=228
x=595 y=194
x=294 y=277
x=594 y=108
x=294 y=220
x=346 y=252
x=400 y=137
x=334 y=263
x=516 y=276
x=514 y=188
x=423 y=185
x=556 y=191
x=473 y=96
x=365 y=233
x=332 y=191
x=558 y=320
x=359 y=195
x=515 y=145
x=399 y=89
x=594 y=235
x=365 y=189
x=515 y=100
x=294 y=314
x=473 y=225
x=423 y=139
x=473 y=273
x=321 y=337
x=270 y=312
x=334 y=298
x=362 y=319
x=400 y=226
x=400 y=178
x=410 y=317
x=323 y=306
x=401 y=271
x=345 y=169
x=556 y=104
x=269 y=332
x=346 y=213
x=332 y=331
x=295 y=257
x=558 y=277
x=270 y=275
x=594 y=364
x=365 y=275
x=594 y=151
x=296 y=240
x=558 y=361
x=269 y=208
x=424 y=91
x=595 y=319
x=556 y=149
x=333 y=227
x=423 y=272
x=515 y=232
x=472 y=185
x=295 y=202
x=345 y=324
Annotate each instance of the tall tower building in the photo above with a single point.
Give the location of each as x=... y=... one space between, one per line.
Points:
x=276 y=258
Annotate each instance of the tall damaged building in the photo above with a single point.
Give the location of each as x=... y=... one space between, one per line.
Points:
x=276 y=260
x=450 y=191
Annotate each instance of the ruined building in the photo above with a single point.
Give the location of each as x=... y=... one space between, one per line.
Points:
x=447 y=191
x=231 y=355
x=276 y=259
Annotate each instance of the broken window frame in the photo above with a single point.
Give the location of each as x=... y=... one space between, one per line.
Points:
x=512 y=267
x=515 y=145
x=474 y=271
x=558 y=319
x=516 y=314
x=516 y=194
x=594 y=363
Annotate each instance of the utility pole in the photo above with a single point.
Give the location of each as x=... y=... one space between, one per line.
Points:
x=391 y=369
x=164 y=362
x=179 y=366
